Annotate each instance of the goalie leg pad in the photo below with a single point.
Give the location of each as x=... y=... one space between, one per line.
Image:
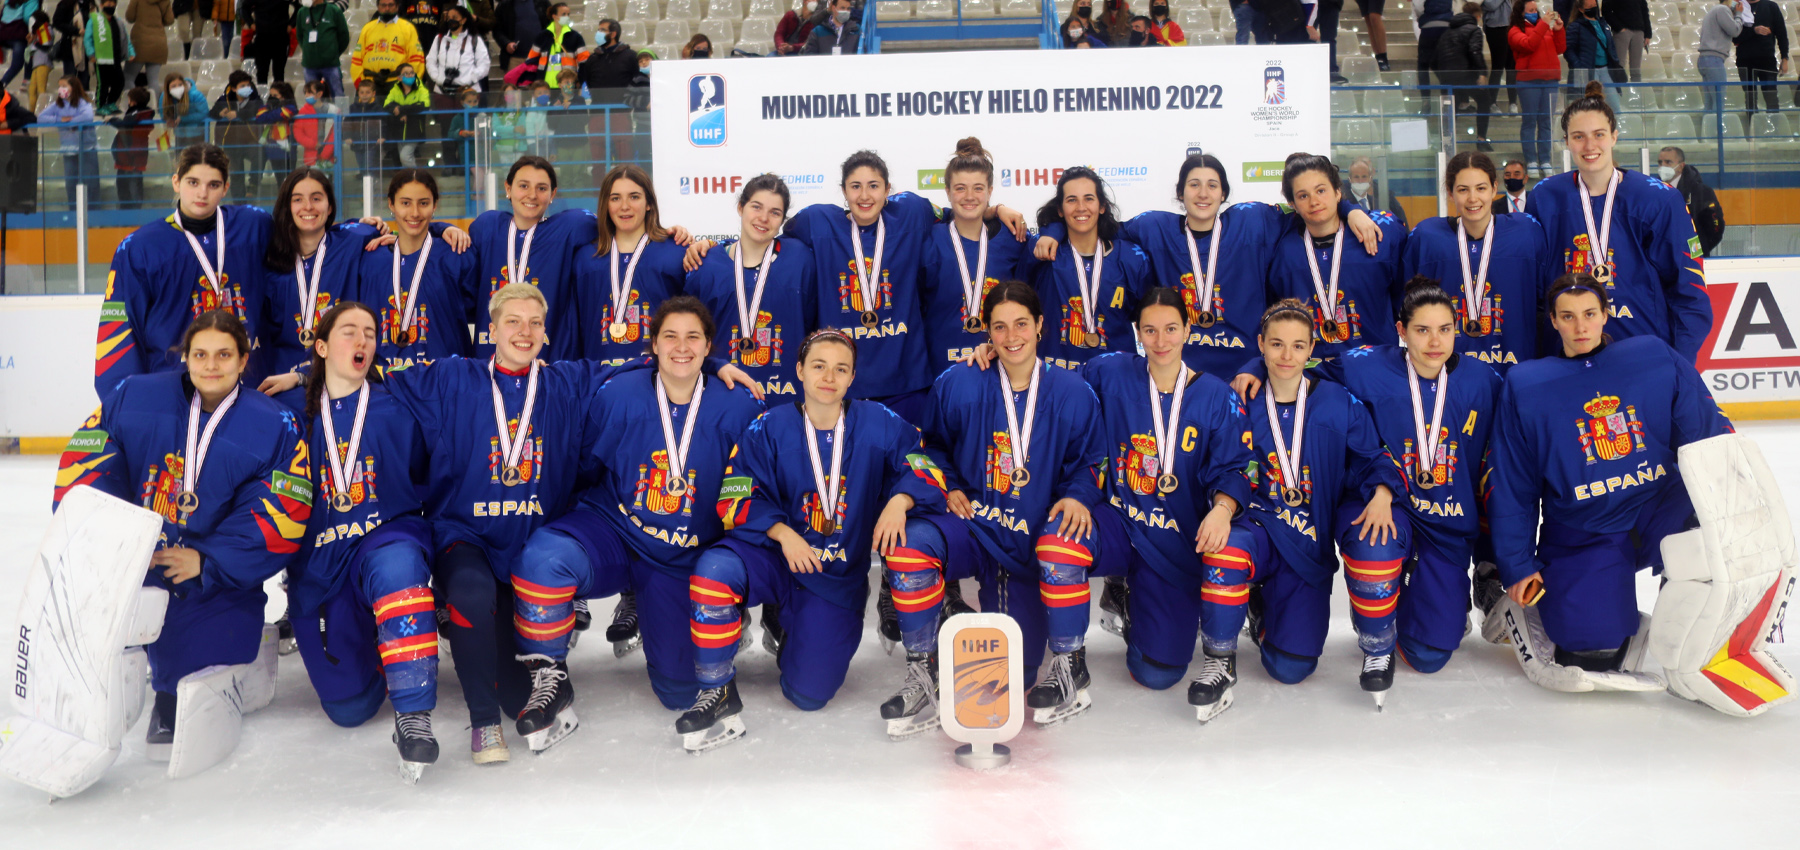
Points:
x=49 y=759
x=221 y=629
x=212 y=704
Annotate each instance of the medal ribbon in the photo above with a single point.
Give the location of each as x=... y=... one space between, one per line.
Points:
x=1328 y=297
x=748 y=307
x=1474 y=289
x=1165 y=440
x=621 y=290
x=678 y=454
x=410 y=305
x=1597 y=241
x=513 y=448
x=518 y=259
x=309 y=293
x=1290 y=464
x=198 y=443
x=341 y=467
x=971 y=287
x=212 y=272
x=1088 y=296
x=1203 y=277
x=868 y=278
x=1021 y=439
x=1428 y=440
x=828 y=489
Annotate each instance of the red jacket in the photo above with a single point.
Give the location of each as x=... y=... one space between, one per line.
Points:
x=313 y=135
x=1537 y=50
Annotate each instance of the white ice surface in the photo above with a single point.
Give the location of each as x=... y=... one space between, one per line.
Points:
x=1474 y=756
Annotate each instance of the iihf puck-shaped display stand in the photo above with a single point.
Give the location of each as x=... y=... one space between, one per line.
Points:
x=983 y=698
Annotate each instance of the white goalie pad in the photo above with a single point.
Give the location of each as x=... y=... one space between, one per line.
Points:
x=1727 y=582
x=211 y=704
x=77 y=684
x=1523 y=629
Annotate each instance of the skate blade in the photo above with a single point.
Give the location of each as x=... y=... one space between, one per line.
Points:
x=1057 y=715
x=1380 y=701
x=902 y=728
x=158 y=752
x=771 y=644
x=743 y=640
x=1205 y=713
x=622 y=648
x=287 y=646
x=1112 y=624
x=887 y=645
x=725 y=731
x=574 y=639
x=410 y=771
x=544 y=739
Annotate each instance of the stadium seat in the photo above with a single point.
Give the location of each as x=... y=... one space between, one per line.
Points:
x=1388 y=101
x=672 y=32
x=634 y=33
x=1766 y=126
x=894 y=10
x=641 y=10
x=1188 y=17
x=208 y=47
x=935 y=9
x=1638 y=98
x=1356 y=131
x=978 y=8
x=1361 y=70
x=1211 y=38
x=682 y=10
x=1653 y=70
x=732 y=9
x=719 y=30
x=757 y=37
x=1664 y=14
x=1686 y=66
x=1631 y=126
x=1349 y=45
x=1343 y=104
x=1675 y=127
x=771 y=9
x=1020 y=8
x=1659 y=42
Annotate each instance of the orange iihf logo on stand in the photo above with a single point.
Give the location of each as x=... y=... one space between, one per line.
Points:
x=983 y=683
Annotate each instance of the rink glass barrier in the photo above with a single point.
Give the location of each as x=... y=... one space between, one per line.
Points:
x=1752 y=160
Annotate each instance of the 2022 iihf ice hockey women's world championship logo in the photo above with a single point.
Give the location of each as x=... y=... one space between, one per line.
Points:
x=1274 y=86
x=706 y=110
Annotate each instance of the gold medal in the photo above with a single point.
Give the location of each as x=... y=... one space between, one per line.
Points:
x=677 y=485
x=1292 y=496
x=1020 y=477
x=187 y=502
x=342 y=503
x=973 y=325
x=827 y=527
x=511 y=476
x=746 y=345
x=1206 y=319
x=306 y=337
x=617 y=331
x=1425 y=479
x=1603 y=273
x=1472 y=327
x=869 y=319
x=1167 y=482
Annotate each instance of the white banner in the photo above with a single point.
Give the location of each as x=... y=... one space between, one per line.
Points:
x=47 y=364
x=1753 y=354
x=1132 y=115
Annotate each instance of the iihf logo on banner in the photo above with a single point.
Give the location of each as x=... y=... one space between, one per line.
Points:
x=706 y=110
x=1274 y=86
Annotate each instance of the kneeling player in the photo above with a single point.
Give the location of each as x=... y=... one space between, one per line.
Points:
x=1178 y=442
x=662 y=440
x=1028 y=436
x=1327 y=479
x=367 y=625
x=801 y=536
x=226 y=469
x=1609 y=491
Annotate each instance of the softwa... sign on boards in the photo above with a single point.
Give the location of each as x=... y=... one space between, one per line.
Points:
x=1131 y=115
x=1751 y=360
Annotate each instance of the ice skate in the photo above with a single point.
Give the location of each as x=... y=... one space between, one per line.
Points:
x=1253 y=616
x=549 y=714
x=584 y=620
x=1210 y=692
x=1062 y=692
x=773 y=633
x=160 y=738
x=487 y=745
x=915 y=708
x=285 y=643
x=889 y=629
x=412 y=735
x=1378 y=676
x=714 y=720
x=623 y=633
x=1114 y=616
x=1487 y=589
x=953 y=600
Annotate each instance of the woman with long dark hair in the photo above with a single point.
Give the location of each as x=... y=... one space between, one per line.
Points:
x=1093 y=291
x=635 y=266
x=423 y=285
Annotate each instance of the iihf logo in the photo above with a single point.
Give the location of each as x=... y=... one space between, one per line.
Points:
x=1274 y=86
x=706 y=110
x=1006 y=177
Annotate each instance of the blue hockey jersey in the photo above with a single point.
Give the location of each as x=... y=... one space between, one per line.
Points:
x=447 y=302
x=387 y=480
x=658 y=277
x=550 y=269
x=632 y=461
x=255 y=488
x=942 y=287
x=1340 y=457
x=1657 y=286
x=966 y=436
x=1447 y=512
x=1519 y=273
x=783 y=320
x=282 y=319
x=898 y=339
x=771 y=481
x=1592 y=439
x=156 y=287
x=1124 y=278
x=1369 y=287
x=1212 y=456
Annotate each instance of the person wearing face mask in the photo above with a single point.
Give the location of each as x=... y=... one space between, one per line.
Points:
x=1163 y=31
x=386 y=43
x=1076 y=33
x=324 y=36
x=1593 y=52
x=81 y=161
x=559 y=46
x=792 y=31
x=698 y=47
x=1363 y=191
x=1537 y=41
x=267 y=40
x=106 y=45
x=184 y=110
x=1140 y=32
x=237 y=134
x=835 y=31
x=1702 y=203
x=406 y=104
x=313 y=128
x=458 y=58
x=1513 y=177
x=1084 y=11
x=277 y=114
x=607 y=74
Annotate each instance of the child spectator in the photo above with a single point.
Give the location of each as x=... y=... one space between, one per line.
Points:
x=314 y=126
x=365 y=127
x=406 y=104
x=131 y=147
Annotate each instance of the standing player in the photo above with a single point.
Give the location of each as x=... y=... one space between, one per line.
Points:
x=964 y=258
x=165 y=274
x=421 y=285
x=801 y=535
x=1030 y=451
x=1608 y=487
x=1499 y=265
x=1179 y=448
x=532 y=246
x=362 y=598
x=1630 y=231
x=310 y=266
x=227 y=471
x=1434 y=409
x=1093 y=291
x=1352 y=294
x=633 y=267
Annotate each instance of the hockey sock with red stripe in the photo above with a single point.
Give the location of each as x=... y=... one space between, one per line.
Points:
x=543 y=616
x=715 y=589
x=1063 y=586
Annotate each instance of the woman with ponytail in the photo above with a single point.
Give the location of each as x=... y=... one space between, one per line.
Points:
x=422 y=287
x=964 y=258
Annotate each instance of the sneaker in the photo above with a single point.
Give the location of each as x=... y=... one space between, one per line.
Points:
x=1382 y=63
x=487 y=745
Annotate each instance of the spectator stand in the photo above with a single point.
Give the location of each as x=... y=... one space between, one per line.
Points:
x=959 y=24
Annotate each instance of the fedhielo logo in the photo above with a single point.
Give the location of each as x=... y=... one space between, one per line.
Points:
x=706 y=110
x=1274 y=86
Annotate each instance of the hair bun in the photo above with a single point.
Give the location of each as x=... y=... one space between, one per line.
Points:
x=971 y=146
x=1594 y=89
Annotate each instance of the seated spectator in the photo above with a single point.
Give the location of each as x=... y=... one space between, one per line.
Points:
x=1140 y=33
x=131 y=147
x=1364 y=193
x=698 y=47
x=834 y=31
x=1084 y=10
x=1163 y=31
x=795 y=26
x=1115 y=20
x=1075 y=33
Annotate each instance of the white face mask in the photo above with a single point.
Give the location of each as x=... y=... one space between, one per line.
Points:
x=1075 y=32
x=1360 y=188
x=177 y=92
x=1666 y=172
x=843 y=15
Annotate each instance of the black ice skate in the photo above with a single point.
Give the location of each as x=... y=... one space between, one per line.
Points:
x=953 y=601
x=714 y=720
x=1210 y=692
x=1115 y=616
x=915 y=708
x=285 y=643
x=623 y=633
x=160 y=738
x=1487 y=592
x=418 y=747
x=773 y=633
x=584 y=620
x=1061 y=693
x=889 y=630
x=1253 y=616
x=549 y=714
x=1378 y=676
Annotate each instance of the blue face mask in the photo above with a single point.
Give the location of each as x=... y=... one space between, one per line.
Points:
x=311 y=100
x=1531 y=17
x=245 y=91
x=543 y=100
x=408 y=79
